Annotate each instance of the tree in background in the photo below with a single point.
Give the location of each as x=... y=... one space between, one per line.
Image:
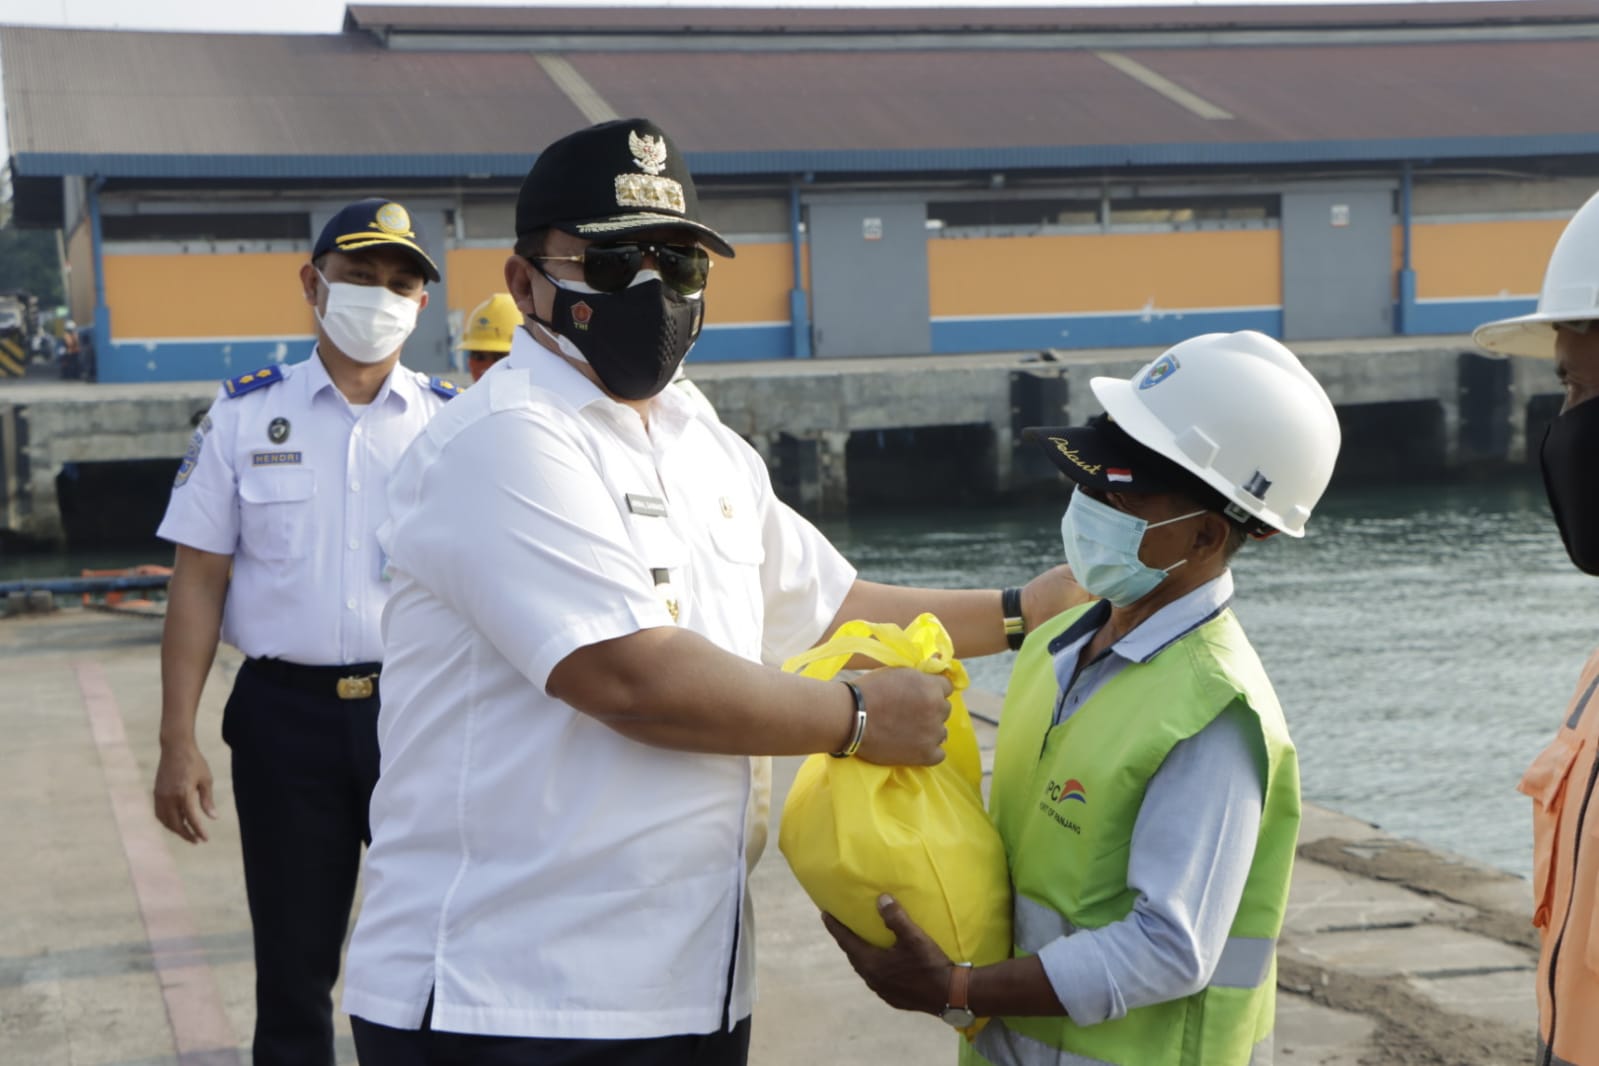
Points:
x=28 y=260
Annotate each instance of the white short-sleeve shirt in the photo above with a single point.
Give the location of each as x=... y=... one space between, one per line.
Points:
x=292 y=482
x=536 y=872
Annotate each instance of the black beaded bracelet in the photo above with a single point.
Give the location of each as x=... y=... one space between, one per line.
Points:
x=1010 y=605
x=859 y=732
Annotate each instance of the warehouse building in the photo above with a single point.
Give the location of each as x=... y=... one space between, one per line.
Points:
x=897 y=182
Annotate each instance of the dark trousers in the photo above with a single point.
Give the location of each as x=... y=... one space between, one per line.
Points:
x=304 y=763
x=379 y=1045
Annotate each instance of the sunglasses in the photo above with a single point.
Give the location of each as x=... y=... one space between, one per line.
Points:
x=612 y=267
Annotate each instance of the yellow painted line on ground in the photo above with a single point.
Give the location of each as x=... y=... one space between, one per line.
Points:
x=1165 y=86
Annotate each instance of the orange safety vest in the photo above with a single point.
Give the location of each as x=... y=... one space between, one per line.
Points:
x=1565 y=882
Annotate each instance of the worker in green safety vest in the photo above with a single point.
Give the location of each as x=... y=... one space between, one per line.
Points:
x=1144 y=782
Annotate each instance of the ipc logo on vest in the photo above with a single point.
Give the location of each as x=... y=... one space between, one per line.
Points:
x=1057 y=792
x=1072 y=790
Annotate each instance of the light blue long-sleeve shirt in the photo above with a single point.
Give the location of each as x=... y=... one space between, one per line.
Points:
x=1193 y=841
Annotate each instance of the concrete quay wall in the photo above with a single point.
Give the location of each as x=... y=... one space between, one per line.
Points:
x=836 y=429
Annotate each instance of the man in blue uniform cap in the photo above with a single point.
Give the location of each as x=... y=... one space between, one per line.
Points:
x=274 y=513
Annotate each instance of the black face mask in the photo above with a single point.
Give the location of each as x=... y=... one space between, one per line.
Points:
x=634 y=339
x=1569 y=457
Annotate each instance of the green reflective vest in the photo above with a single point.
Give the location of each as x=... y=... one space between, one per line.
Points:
x=1065 y=799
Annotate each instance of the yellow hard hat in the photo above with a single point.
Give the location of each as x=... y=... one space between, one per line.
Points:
x=491 y=325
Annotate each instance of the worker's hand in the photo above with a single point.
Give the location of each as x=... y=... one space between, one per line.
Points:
x=183 y=790
x=905 y=714
x=1050 y=593
x=911 y=975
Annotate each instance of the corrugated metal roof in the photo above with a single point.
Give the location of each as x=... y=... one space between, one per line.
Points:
x=988 y=99
x=109 y=92
x=384 y=18
x=342 y=106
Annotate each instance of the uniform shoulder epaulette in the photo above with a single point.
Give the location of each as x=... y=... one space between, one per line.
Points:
x=446 y=389
x=255 y=379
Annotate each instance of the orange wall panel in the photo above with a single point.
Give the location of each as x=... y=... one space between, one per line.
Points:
x=1102 y=272
x=473 y=275
x=207 y=295
x=1483 y=259
x=754 y=287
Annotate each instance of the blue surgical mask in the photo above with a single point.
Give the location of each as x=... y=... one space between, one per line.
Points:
x=1102 y=548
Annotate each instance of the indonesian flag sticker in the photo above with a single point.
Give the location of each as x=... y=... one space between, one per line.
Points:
x=1116 y=473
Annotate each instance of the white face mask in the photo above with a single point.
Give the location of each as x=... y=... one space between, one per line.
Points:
x=368 y=323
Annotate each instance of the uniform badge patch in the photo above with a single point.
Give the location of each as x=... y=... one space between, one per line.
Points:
x=190 y=457
x=275 y=458
x=278 y=430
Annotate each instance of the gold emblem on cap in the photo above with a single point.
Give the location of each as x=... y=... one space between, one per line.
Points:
x=392 y=218
x=658 y=194
x=1073 y=457
x=649 y=153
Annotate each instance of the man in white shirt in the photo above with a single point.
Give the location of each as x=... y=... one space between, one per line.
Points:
x=274 y=513
x=560 y=831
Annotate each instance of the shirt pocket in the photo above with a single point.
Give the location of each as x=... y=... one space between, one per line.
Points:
x=275 y=512
x=736 y=533
x=1546 y=781
x=734 y=572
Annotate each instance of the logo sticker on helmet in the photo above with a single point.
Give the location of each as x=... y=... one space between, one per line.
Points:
x=1163 y=368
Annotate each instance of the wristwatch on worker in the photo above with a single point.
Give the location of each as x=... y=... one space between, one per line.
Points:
x=955 y=1011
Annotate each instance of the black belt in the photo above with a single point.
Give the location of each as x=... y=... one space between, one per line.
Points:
x=356 y=681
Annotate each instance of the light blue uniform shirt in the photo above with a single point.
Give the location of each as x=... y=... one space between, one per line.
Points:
x=1193 y=841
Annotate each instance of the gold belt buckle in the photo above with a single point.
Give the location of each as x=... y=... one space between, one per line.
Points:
x=356 y=688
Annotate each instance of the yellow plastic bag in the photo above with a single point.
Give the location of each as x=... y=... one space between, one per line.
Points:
x=852 y=830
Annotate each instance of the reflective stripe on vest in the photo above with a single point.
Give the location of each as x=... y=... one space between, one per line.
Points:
x=1002 y=1046
x=1245 y=960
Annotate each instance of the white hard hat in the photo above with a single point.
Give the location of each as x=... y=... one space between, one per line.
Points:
x=1242 y=413
x=1570 y=292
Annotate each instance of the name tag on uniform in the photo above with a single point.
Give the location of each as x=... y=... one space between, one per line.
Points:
x=649 y=506
x=274 y=458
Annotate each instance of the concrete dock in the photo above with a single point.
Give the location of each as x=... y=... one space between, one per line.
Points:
x=833 y=430
x=122 y=946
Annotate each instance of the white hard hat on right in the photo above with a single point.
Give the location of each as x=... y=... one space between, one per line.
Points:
x=1242 y=413
x=1570 y=292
